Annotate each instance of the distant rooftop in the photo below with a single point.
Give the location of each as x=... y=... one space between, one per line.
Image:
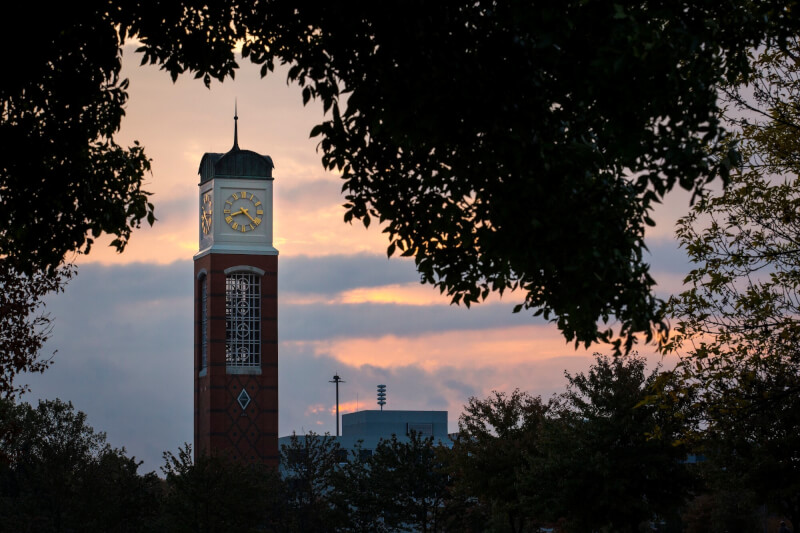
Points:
x=369 y=427
x=385 y=423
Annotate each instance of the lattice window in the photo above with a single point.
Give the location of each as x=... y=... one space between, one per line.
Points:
x=243 y=318
x=203 y=322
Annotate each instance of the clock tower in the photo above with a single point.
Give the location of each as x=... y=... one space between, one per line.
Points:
x=236 y=309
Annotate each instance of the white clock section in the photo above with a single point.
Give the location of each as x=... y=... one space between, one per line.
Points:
x=243 y=211
x=206 y=217
x=241 y=218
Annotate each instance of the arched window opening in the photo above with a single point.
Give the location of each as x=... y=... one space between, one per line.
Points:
x=203 y=322
x=243 y=319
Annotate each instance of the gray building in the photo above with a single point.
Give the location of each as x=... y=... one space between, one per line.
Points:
x=370 y=427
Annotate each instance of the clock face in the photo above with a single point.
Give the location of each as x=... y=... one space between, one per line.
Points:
x=243 y=211
x=206 y=210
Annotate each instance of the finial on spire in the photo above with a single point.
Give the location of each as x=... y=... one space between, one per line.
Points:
x=235 y=125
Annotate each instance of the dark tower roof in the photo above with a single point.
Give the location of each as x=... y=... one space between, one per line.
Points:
x=237 y=163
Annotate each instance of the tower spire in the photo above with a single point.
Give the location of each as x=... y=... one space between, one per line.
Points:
x=235 y=126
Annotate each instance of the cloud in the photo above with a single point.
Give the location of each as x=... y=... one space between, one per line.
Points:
x=670 y=264
x=304 y=376
x=446 y=347
x=310 y=195
x=124 y=335
x=124 y=341
x=339 y=272
x=666 y=256
x=319 y=322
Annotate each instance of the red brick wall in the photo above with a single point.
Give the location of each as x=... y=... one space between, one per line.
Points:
x=220 y=425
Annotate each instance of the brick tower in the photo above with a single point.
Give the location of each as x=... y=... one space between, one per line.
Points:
x=236 y=309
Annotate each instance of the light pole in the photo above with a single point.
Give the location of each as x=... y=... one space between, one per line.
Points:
x=337 y=380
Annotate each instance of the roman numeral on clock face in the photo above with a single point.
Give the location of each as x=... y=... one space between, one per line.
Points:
x=243 y=211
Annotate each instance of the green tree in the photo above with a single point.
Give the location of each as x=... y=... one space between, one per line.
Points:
x=491 y=458
x=613 y=458
x=58 y=474
x=308 y=465
x=114 y=497
x=470 y=132
x=353 y=494
x=63 y=179
x=23 y=328
x=410 y=483
x=739 y=311
x=468 y=129
x=729 y=506
x=737 y=319
x=216 y=493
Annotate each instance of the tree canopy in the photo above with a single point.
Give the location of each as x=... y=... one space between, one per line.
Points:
x=217 y=493
x=23 y=327
x=58 y=474
x=737 y=319
x=492 y=461
x=63 y=179
x=614 y=458
x=503 y=145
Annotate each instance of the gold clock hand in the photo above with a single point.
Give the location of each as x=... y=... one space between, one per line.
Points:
x=247 y=214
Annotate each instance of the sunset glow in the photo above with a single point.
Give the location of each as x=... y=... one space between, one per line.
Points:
x=451 y=348
x=344 y=307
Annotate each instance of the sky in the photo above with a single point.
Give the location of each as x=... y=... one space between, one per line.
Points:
x=123 y=328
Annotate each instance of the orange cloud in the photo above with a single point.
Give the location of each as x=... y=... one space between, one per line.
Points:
x=412 y=293
x=344 y=407
x=510 y=346
x=398 y=293
x=405 y=293
x=322 y=231
x=347 y=407
x=322 y=414
x=315 y=409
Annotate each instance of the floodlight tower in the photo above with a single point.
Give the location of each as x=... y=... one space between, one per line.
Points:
x=336 y=379
x=381 y=396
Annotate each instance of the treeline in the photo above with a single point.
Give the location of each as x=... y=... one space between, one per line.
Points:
x=612 y=453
